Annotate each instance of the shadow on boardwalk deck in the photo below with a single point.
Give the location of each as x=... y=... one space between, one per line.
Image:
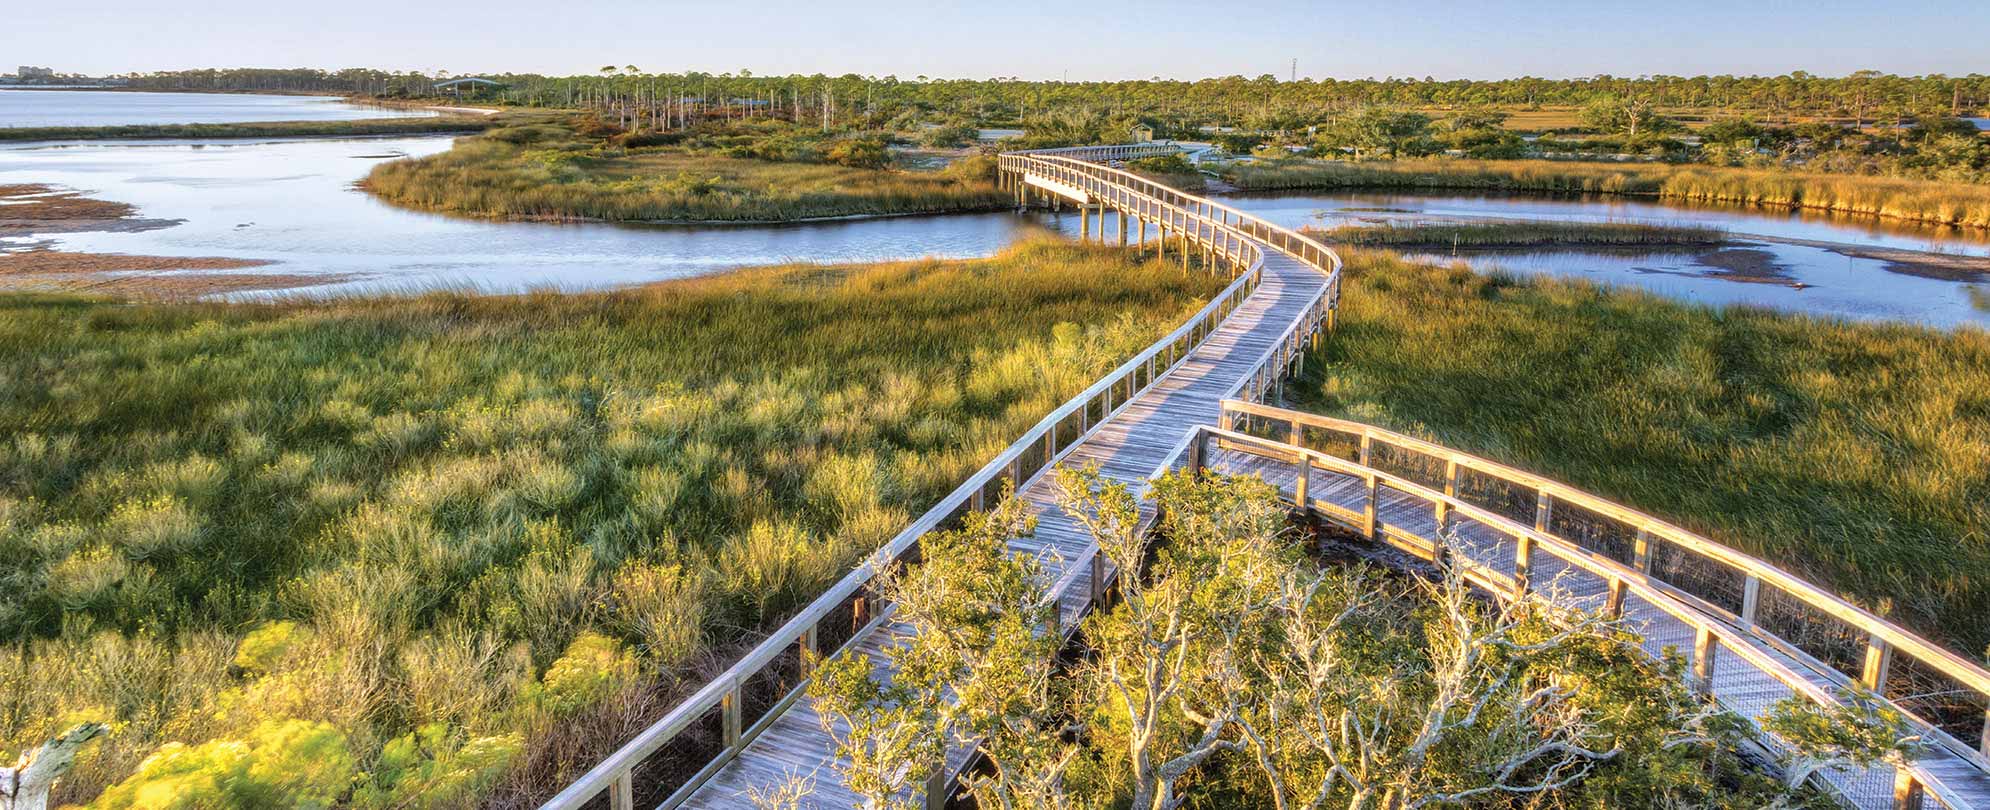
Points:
x=1127 y=448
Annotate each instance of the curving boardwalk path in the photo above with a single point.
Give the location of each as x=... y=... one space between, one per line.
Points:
x=749 y=731
x=1127 y=447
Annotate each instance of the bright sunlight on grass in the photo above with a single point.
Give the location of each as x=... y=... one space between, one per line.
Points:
x=464 y=545
x=1857 y=456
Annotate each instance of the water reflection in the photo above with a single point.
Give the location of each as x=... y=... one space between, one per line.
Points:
x=1813 y=278
x=103 y=108
x=293 y=203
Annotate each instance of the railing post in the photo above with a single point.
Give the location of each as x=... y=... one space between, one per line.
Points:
x=1369 y=514
x=1705 y=646
x=1098 y=579
x=1751 y=600
x=1641 y=552
x=809 y=646
x=1195 y=452
x=936 y=787
x=730 y=709
x=1544 y=508
x=1879 y=662
x=622 y=794
x=1984 y=747
x=1523 y=565
x=1301 y=494
x=1366 y=440
x=1613 y=601
x=1906 y=789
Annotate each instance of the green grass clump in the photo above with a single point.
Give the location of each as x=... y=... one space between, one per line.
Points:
x=263 y=129
x=1855 y=455
x=1488 y=235
x=484 y=538
x=551 y=171
x=1892 y=198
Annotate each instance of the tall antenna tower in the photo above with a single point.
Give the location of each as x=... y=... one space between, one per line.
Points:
x=1295 y=68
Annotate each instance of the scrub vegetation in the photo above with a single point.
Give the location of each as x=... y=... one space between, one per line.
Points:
x=459 y=547
x=764 y=170
x=1230 y=670
x=1855 y=455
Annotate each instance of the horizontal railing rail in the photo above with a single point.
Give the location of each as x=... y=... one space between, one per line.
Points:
x=723 y=699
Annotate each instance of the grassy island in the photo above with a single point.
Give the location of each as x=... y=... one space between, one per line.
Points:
x=457 y=547
x=1907 y=199
x=1854 y=455
x=760 y=171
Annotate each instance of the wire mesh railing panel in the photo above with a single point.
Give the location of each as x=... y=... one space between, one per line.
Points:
x=1659 y=633
x=1497 y=495
x=1869 y=788
x=1336 y=443
x=1070 y=430
x=766 y=688
x=1602 y=534
x=1936 y=698
x=1482 y=544
x=837 y=627
x=674 y=764
x=1262 y=427
x=1405 y=462
x=1820 y=635
x=1688 y=571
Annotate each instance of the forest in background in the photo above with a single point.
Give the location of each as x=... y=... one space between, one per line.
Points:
x=1263 y=102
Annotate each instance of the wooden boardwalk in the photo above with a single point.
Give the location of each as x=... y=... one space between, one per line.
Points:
x=1748 y=676
x=1189 y=387
x=1128 y=447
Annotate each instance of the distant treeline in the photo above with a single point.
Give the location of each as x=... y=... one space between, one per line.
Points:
x=1265 y=102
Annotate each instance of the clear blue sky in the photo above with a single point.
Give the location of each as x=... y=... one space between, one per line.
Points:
x=1084 y=40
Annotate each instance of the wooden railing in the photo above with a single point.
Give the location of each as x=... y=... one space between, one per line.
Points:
x=1728 y=596
x=849 y=608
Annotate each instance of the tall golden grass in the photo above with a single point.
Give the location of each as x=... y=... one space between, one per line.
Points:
x=483 y=538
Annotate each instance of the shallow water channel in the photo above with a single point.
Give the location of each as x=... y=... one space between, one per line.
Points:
x=292 y=203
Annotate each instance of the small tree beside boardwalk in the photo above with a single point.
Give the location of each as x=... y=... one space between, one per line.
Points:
x=1231 y=669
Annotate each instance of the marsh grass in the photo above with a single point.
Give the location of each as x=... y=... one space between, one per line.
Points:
x=1855 y=455
x=1490 y=235
x=1892 y=198
x=262 y=129
x=510 y=524
x=548 y=171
